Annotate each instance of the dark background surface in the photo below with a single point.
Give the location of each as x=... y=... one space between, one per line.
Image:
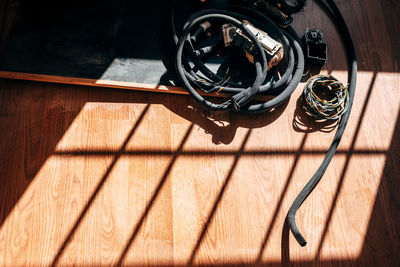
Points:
x=119 y=40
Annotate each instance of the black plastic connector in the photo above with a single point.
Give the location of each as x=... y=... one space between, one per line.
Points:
x=315 y=50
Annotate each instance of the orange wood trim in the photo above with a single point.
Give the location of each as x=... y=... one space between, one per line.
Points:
x=106 y=83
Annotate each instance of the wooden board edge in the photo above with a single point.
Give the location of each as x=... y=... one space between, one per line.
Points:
x=91 y=82
x=108 y=84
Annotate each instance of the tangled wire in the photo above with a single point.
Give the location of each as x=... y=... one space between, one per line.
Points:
x=325 y=97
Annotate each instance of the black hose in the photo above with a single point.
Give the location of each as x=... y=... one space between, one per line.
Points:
x=283 y=86
x=352 y=76
x=292 y=8
x=187 y=79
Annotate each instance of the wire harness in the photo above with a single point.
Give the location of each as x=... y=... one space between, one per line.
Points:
x=325 y=97
x=200 y=77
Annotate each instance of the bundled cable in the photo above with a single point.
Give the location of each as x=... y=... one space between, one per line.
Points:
x=325 y=97
x=196 y=76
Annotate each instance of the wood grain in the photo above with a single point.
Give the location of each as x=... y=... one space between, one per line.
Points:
x=109 y=84
x=97 y=177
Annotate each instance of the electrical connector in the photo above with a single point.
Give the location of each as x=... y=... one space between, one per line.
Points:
x=315 y=50
x=234 y=36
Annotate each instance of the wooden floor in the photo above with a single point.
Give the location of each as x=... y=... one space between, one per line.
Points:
x=97 y=176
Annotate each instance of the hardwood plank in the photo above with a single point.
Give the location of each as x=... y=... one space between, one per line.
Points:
x=45 y=211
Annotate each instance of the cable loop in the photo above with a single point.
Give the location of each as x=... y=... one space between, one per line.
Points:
x=325 y=97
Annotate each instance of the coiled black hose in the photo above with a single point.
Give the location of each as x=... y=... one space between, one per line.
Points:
x=352 y=77
x=284 y=85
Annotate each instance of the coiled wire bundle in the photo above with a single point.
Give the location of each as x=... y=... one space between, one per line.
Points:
x=325 y=97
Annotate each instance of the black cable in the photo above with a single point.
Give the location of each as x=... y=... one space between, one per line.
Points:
x=352 y=76
x=325 y=97
x=293 y=7
x=188 y=79
x=283 y=86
